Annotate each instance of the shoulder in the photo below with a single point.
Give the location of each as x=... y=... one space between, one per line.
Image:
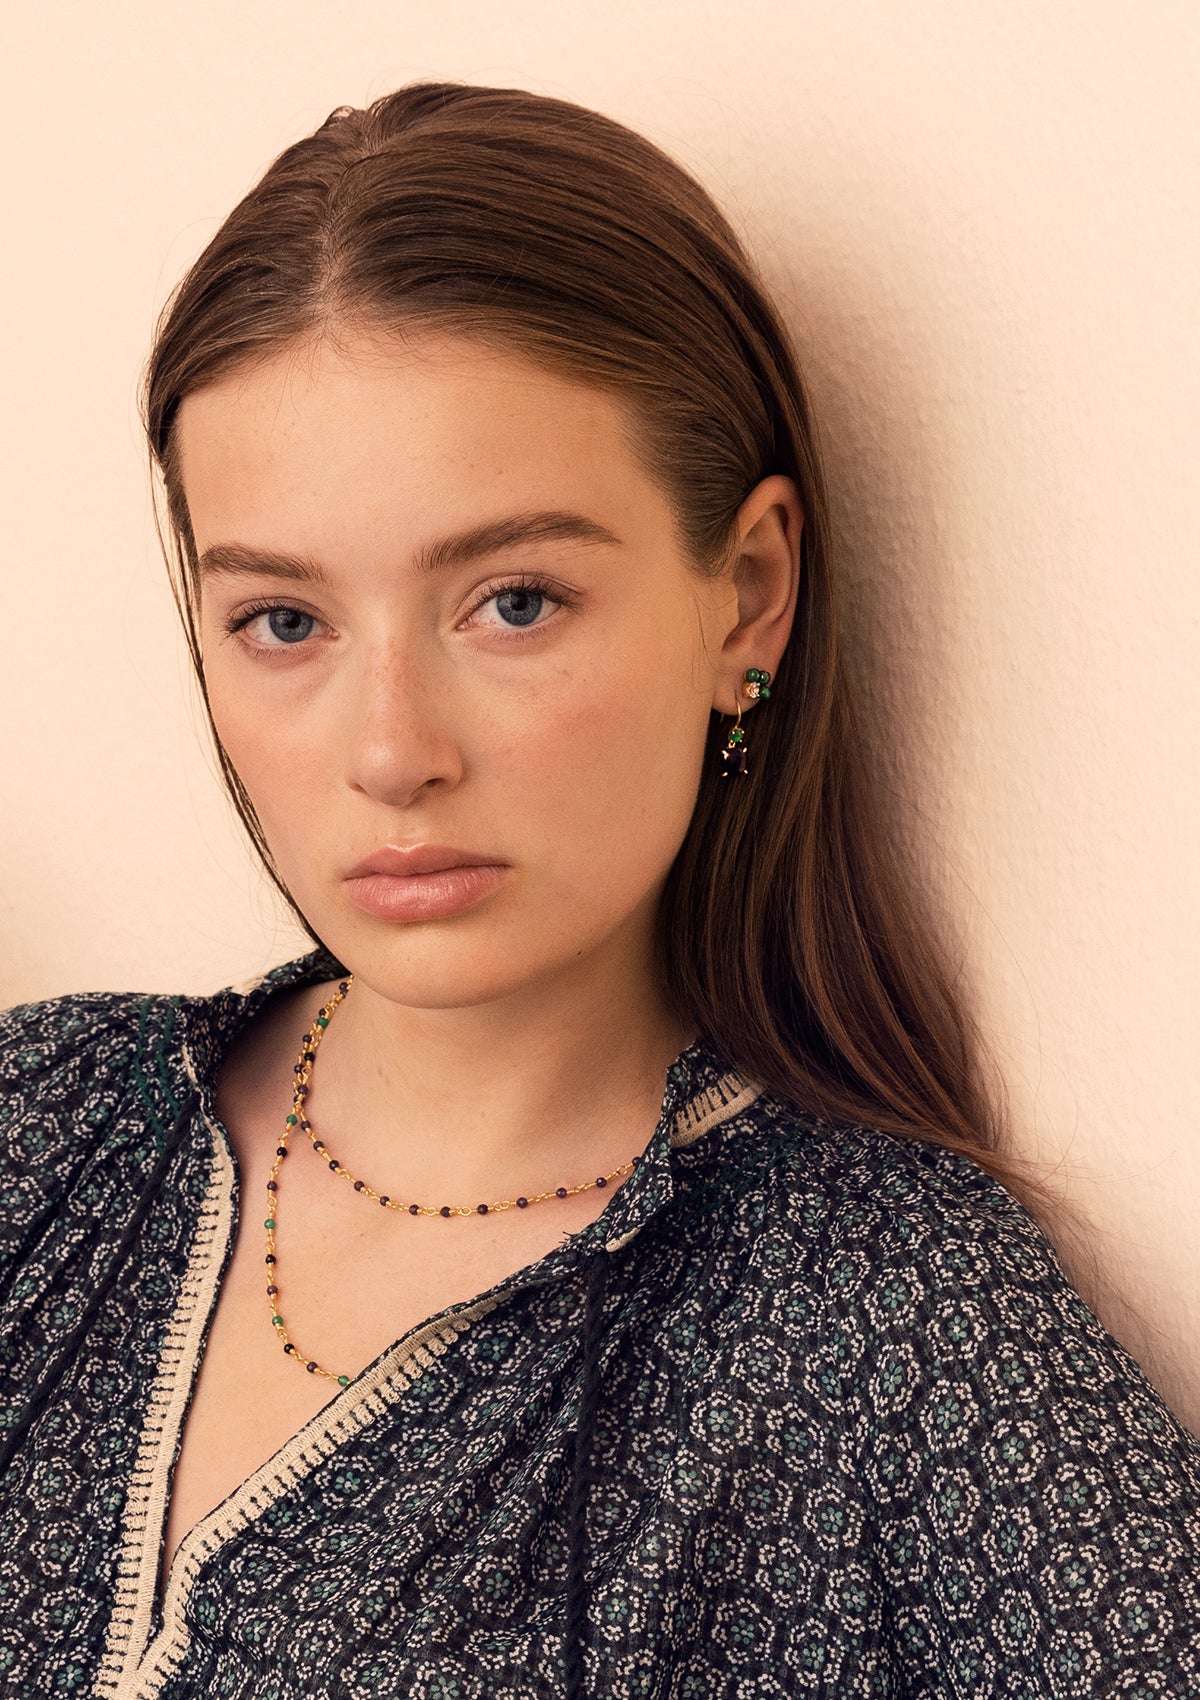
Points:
x=839 y=1189
x=63 y=1054
x=70 y=1059
x=68 y=1065
x=899 y=1246
x=89 y=1079
x=68 y=1068
x=850 y=1237
x=932 y=1305
x=943 y=1300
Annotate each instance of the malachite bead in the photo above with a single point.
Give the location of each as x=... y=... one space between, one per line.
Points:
x=270 y=1222
x=322 y=1021
x=343 y=1381
x=292 y=1120
x=277 y=1322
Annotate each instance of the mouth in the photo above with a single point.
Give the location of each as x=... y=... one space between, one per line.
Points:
x=405 y=862
x=427 y=896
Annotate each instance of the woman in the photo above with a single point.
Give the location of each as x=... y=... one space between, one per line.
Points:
x=718 y=1350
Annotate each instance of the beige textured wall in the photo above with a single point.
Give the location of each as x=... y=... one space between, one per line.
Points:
x=983 y=223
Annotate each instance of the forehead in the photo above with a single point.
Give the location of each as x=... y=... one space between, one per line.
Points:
x=389 y=426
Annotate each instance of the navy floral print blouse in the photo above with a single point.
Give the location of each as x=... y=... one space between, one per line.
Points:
x=807 y=1410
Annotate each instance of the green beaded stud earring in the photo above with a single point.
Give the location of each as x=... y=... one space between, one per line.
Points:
x=733 y=756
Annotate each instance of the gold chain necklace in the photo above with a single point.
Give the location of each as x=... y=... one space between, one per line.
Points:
x=297 y=1118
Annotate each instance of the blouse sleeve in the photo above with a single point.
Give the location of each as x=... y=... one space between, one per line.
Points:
x=1034 y=1505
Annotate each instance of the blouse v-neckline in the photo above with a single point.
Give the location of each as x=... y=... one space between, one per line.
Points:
x=147 y=1633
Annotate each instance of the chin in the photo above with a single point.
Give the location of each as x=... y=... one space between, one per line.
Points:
x=438 y=965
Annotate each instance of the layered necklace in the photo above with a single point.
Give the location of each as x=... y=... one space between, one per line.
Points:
x=298 y=1118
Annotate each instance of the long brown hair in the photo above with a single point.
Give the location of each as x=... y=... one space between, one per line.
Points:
x=787 y=933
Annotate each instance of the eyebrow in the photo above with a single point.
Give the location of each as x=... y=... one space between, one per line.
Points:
x=487 y=539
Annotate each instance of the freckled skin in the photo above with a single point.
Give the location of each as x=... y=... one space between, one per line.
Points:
x=572 y=753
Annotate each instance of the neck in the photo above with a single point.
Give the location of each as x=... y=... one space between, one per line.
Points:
x=518 y=1095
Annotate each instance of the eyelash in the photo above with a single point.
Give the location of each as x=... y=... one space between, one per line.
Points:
x=522 y=581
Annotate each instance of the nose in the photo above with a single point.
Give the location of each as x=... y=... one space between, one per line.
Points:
x=397 y=728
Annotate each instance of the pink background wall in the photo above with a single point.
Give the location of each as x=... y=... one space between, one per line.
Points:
x=982 y=221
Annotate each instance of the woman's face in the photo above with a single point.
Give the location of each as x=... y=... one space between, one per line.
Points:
x=485 y=636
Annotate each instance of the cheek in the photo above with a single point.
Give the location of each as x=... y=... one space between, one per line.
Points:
x=271 y=746
x=612 y=778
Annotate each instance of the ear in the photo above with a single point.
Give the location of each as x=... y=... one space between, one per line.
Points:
x=764 y=569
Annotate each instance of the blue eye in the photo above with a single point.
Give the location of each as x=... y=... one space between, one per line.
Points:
x=522 y=604
x=283 y=623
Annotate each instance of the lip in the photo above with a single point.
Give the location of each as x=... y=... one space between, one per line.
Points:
x=404 y=862
x=425 y=897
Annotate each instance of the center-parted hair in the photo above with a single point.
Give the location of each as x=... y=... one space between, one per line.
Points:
x=787 y=935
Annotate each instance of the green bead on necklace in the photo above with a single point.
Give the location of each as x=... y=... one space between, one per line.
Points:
x=297 y=1118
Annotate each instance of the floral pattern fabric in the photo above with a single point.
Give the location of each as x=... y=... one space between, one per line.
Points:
x=857 y=1434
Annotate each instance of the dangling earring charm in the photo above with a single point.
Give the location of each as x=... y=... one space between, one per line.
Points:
x=733 y=756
